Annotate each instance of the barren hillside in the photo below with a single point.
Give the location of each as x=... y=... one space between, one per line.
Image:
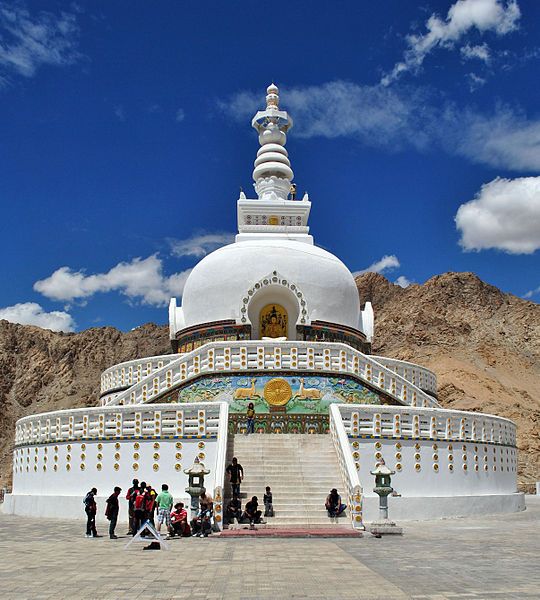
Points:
x=483 y=344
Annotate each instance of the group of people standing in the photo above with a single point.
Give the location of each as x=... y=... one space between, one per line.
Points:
x=143 y=502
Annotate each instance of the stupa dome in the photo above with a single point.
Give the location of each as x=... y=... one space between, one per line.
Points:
x=315 y=281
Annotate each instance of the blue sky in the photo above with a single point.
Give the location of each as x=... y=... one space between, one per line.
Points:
x=125 y=136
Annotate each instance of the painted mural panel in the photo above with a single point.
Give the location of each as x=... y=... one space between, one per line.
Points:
x=278 y=393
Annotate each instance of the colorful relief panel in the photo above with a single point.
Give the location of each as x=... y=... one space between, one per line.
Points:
x=277 y=393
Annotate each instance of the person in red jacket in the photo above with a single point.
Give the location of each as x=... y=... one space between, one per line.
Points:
x=130 y=497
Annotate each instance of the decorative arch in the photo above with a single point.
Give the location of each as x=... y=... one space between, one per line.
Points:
x=286 y=293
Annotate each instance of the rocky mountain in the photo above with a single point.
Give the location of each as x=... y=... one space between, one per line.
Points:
x=483 y=344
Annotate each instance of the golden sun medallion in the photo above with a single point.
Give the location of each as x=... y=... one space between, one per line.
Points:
x=277 y=392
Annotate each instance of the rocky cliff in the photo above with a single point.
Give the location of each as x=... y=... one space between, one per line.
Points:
x=483 y=344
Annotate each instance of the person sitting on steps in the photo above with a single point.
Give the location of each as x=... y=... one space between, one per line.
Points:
x=333 y=504
x=234 y=510
x=201 y=525
x=251 y=512
x=180 y=526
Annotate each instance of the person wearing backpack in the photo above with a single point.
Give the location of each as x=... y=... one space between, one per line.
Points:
x=90 y=508
x=139 y=507
x=111 y=512
x=130 y=497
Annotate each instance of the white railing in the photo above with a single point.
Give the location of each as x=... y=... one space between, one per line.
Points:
x=430 y=423
x=219 y=483
x=420 y=376
x=200 y=419
x=348 y=470
x=132 y=371
x=256 y=355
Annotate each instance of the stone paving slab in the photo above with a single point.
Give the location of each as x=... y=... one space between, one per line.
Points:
x=463 y=559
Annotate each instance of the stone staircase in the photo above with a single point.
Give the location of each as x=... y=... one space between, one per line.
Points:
x=300 y=468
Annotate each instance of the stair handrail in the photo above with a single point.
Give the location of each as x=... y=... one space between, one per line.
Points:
x=349 y=473
x=221 y=452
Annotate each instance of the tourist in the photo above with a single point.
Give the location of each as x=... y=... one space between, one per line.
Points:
x=236 y=474
x=139 y=507
x=250 y=413
x=130 y=497
x=201 y=525
x=267 y=500
x=251 y=512
x=234 y=510
x=90 y=508
x=111 y=512
x=333 y=504
x=180 y=526
x=164 y=502
x=150 y=505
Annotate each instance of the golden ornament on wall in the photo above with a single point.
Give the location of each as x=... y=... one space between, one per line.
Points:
x=177 y=466
x=116 y=466
x=117 y=456
x=155 y=467
x=178 y=445
x=136 y=445
x=117 y=446
x=178 y=455
x=136 y=456
x=201 y=445
x=156 y=445
x=277 y=392
x=99 y=466
x=156 y=456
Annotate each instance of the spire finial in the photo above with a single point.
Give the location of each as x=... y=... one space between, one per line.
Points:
x=272 y=173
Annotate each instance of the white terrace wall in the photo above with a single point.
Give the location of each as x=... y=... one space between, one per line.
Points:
x=59 y=456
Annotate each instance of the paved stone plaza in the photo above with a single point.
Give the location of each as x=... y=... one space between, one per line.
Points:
x=467 y=559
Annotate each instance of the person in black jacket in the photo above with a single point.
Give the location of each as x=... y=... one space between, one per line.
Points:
x=90 y=508
x=111 y=512
x=252 y=512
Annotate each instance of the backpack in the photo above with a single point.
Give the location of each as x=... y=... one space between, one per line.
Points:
x=88 y=500
x=139 y=501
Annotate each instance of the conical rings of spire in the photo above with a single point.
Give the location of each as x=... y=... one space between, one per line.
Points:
x=272 y=173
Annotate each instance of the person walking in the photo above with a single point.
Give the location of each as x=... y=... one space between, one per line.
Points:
x=130 y=497
x=236 y=474
x=90 y=508
x=250 y=414
x=112 y=510
x=164 y=502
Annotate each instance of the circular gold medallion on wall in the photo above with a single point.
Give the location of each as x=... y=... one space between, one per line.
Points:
x=277 y=392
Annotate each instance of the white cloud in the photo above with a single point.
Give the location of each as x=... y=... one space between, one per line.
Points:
x=498 y=16
x=180 y=115
x=480 y=52
x=31 y=313
x=402 y=281
x=504 y=139
x=140 y=279
x=120 y=113
x=29 y=41
x=200 y=245
x=386 y=263
x=505 y=214
x=475 y=81
x=532 y=293
x=403 y=116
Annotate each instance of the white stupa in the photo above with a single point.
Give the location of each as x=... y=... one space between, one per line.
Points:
x=276 y=321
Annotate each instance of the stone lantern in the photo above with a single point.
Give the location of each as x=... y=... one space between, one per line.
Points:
x=196 y=487
x=383 y=489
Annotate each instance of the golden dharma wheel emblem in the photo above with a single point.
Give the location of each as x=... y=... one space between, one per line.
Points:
x=277 y=392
